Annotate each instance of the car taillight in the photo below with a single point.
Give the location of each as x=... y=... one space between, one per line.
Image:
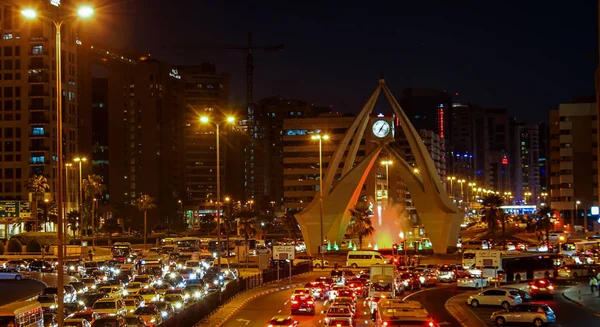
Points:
x=550 y=287
x=511 y=297
x=385 y=323
x=310 y=302
x=431 y=324
x=533 y=287
x=294 y=302
x=270 y=325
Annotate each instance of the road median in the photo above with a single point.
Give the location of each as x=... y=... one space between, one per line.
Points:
x=457 y=307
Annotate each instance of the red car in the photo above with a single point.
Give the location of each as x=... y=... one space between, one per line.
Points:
x=357 y=287
x=319 y=290
x=410 y=281
x=541 y=287
x=302 y=304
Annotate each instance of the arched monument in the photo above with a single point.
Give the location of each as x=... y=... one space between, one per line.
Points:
x=439 y=215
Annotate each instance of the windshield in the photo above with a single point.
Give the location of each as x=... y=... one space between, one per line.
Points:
x=381 y=287
x=45 y=299
x=129 y=302
x=105 y=289
x=147 y=291
x=172 y=297
x=105 y=305
x=146 y=311
x=141 y=279
x=134 y=285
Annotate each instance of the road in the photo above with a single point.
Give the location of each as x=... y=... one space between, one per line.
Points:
x=434 y=300
x=13 y=290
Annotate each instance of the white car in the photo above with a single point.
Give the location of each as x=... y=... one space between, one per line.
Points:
x=471 y=281
x=11 y=273
x=495 y=297
x=108 y=306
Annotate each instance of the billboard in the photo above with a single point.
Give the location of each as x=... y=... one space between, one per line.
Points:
x=15 y=209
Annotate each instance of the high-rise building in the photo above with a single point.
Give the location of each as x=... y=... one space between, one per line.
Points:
x=100 y=131
x=498 y=161
x=528 y=172
x=28 y=100
x=468 y=142
x=266 y=166
x=573 y=159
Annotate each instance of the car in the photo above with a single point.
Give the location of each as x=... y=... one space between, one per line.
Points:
x=145 y=280
x=89 y=267
x=111 y=321
x=150 y=314
x=90 y=297
x=282 y=321
x=74 y=267
x=79 y=287
x=302 y=303
x=541 y=287
x=11 y=273
x=537 y=314
x=472 y=281
x=132 y=288
x=345 y=301
x=161 y=288
x=149 y=294
x=72 y=307
x=193 y=292
x=411 y=281
x=111 y=291
x=428 y=279
x=132 y=302
x=134 y=321
x=17 y=264
x=88 y=315
x=337 y=312
x=109 y=306
x=48 y=301
x=50 y=320
x=339 y=322
x=41 y=266
x=188 y=273
x=357 y=286
x=525 y=296
x=76 y=322
x=90 y=282
x=176 y=301
x=448 y=273
x=495 y=297
x=165 y=308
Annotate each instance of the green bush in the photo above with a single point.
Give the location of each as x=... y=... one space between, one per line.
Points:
x=33 y=246
x=1 y=247
x=14 y=246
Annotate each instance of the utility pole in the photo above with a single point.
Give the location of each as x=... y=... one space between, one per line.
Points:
x=598 y=101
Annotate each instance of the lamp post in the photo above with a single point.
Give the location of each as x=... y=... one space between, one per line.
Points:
x=58 y=21
x=228 y=120
x=46 y=203
x=577 y=203
x=470 y=186
x=461 y=182
x=320 y=138
x=451 y=179
x=182 y=213
x=80 y=161
x=387 y=164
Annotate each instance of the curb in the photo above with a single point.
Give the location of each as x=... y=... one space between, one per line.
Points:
x=454 y=312
x=580 y=304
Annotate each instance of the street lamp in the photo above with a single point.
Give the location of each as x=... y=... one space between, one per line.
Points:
x=387 y=164
x=228 y=120
x=577 y=203
x=80 y=161
x=320 y=138
x=451 y=179
x=46 y=201
x=83 y=12
x=182 y=213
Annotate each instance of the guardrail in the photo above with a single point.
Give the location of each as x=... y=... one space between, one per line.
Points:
x=210 y=303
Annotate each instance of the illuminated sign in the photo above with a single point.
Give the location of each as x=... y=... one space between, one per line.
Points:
x=175 y=74
x=505 y=161
x=595 y=210
x=55 y=3
x=441 y=120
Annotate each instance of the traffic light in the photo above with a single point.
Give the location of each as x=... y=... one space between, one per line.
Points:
x=395 y=249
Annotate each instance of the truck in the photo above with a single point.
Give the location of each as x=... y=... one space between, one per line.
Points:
x=383 y=284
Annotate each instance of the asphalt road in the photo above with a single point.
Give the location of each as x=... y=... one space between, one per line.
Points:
x=16 y=290
x=434 y=300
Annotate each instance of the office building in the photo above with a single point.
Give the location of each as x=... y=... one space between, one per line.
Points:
x=528 y=167
x=573 y=159
x=468 y=142
x=28 y=100
x=498 y=159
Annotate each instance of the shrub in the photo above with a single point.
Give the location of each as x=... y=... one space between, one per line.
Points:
x=14 y=246
x=1 y=247
x=33 y=246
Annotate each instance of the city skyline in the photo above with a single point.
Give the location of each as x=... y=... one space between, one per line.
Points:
x=509 y=61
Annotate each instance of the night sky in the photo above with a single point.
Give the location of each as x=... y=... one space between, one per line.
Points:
x=527 y=56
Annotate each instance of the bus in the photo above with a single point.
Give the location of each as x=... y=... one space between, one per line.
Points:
x=468 y=259
x=121 y=250
x=526 y=267
x=194 y=243
x=22 y=314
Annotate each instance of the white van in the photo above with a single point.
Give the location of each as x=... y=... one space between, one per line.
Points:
x=357 y=259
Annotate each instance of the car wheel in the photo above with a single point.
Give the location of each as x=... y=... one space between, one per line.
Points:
x=318 y=265
x=354 y=266
x=538 y=322
x=505 y=305
x=18 y=277
x=500 y=321
x=474 y=303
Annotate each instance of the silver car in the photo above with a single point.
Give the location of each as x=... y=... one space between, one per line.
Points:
x=536 y=314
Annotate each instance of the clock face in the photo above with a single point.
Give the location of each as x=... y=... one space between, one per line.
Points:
x=381 y=128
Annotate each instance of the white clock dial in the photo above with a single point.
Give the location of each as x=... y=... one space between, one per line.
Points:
x=381 y=128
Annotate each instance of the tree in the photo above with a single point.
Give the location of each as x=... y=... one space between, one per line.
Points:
x=1 y=247
x=492 y=212
x=14 y=246
x=36 y=185
x=360 y=222
x=246 y=221
x=145 y=203
x=92 y=187
x=544 y=224
x=111 y=225
x=33 y=246
x=289 y=223
x=73 y=221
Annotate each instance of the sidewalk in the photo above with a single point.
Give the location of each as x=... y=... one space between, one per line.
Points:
x=221 y=315
x=457 y=307
x=582 y=296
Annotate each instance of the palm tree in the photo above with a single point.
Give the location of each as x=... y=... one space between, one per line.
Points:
x=73 y=221
x=544 y=214
x=246 y=221
x=493 y=212
x=93 y=186
x=288 y=221
x=36 y=184
x=145 y=203
x=360 y=223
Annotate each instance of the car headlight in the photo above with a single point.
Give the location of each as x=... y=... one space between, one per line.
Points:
x=216 y=282
x=81 y=303
x=164 y=314
x=192 y=276
x=178 y=305
x=153 y=320
x=71 y=268
x=53 y=306
x=125 y=292
x=172 y=275
x=131 y=310
x=196 y=294
x=104 y=278
x=220 y=277
x=422 y=279
x=186 y=296
x=93 y=287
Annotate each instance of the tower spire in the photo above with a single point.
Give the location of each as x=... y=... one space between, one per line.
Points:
x=381 y=77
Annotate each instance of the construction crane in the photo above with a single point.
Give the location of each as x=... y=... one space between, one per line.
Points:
x=247 y=48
